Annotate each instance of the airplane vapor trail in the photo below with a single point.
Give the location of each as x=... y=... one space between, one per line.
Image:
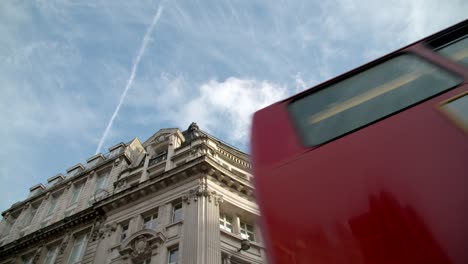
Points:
x=140 y=53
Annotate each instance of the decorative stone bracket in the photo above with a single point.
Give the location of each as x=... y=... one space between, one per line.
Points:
x=202 y=191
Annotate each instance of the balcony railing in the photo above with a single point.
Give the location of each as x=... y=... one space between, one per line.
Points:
x=157 y=159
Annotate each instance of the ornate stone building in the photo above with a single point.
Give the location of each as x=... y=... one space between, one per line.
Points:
x=179 y=197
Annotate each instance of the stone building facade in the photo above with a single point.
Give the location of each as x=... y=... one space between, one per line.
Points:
x=180 y=197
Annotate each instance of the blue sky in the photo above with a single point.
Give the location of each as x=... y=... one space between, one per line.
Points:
x=65 y=63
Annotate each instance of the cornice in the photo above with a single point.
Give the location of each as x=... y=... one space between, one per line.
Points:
x=64 y=183
x=56 y=229
x=202 y=165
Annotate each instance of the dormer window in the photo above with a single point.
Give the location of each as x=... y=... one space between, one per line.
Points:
x=116 y=150
x=75 y=170
x=55 y=179
x=94 y=160
x=36 y=189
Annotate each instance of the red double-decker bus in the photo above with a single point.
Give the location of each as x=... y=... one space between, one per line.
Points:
x=371 y=166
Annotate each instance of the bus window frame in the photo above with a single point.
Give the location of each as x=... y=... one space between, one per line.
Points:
x=453 y=118
x=405 y=51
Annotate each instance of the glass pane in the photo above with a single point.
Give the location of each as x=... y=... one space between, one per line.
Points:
x=368 y=96
x=53 y=204
x=173 y=255
x=77 y=250
x=457 y=51
x=177 y=213
x=457 y=109
x=50 y=257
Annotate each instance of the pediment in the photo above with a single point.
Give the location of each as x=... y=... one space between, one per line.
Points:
x=160 y=136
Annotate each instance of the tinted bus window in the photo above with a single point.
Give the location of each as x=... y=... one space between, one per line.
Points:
x=367 y=96
x=457 y=51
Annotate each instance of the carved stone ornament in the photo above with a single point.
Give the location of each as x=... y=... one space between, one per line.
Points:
x=141 y=245
x=101 y=231
x=202 y=191
x=37 y=254
x=65 y=241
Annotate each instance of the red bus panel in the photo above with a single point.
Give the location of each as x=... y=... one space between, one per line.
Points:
x=391 y=191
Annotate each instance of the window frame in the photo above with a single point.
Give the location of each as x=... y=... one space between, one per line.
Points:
x=83 y=245
x=173 y=213
x=74 y=187
x=169 y=254
x=302 y=132
x=153 y=219
x=104 y=176
x=54 y=256
x=453 y=117
x=244 y=231
x=223 y=221
x=50 y=208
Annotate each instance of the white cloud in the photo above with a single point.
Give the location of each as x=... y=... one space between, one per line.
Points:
x=223 y=108
x=228 y=105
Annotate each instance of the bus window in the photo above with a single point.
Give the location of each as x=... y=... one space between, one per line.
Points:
x=457 y=51
x=457 y=110
x=366 y=97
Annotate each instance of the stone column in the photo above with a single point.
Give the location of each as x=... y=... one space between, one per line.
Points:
x=201 y=241
x=170 y=152
x=134 y=225
x=190 y=233
x=212 y=232
x=236 y=225
x=144 y=174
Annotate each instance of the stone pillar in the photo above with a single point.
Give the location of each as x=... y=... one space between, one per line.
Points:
x=170 y=152
x=236 y=225
x=164 y=214
x=190 y=233
x=201 y=239
x=134 y=225
x=213 y=237
x=144 y=174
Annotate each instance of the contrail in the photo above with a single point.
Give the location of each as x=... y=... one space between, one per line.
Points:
x=141 y=51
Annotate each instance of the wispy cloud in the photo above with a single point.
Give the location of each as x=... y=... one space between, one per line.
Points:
x=140 y=53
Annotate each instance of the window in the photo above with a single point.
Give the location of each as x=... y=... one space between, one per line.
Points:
x=247 y=231
x=76 y=190
x=27 y=259
x=173 y=256
x=176 y=212
x=453 y=45
x=145 y=261
x=30 y=216
x=78 y=249
x=52 y=205
x=225 y=223
x=151 y=221
x=115 y=152
x=101 y=182
x=457 y=110
x=367 y=97
x=124 y=233
x=51 y=255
